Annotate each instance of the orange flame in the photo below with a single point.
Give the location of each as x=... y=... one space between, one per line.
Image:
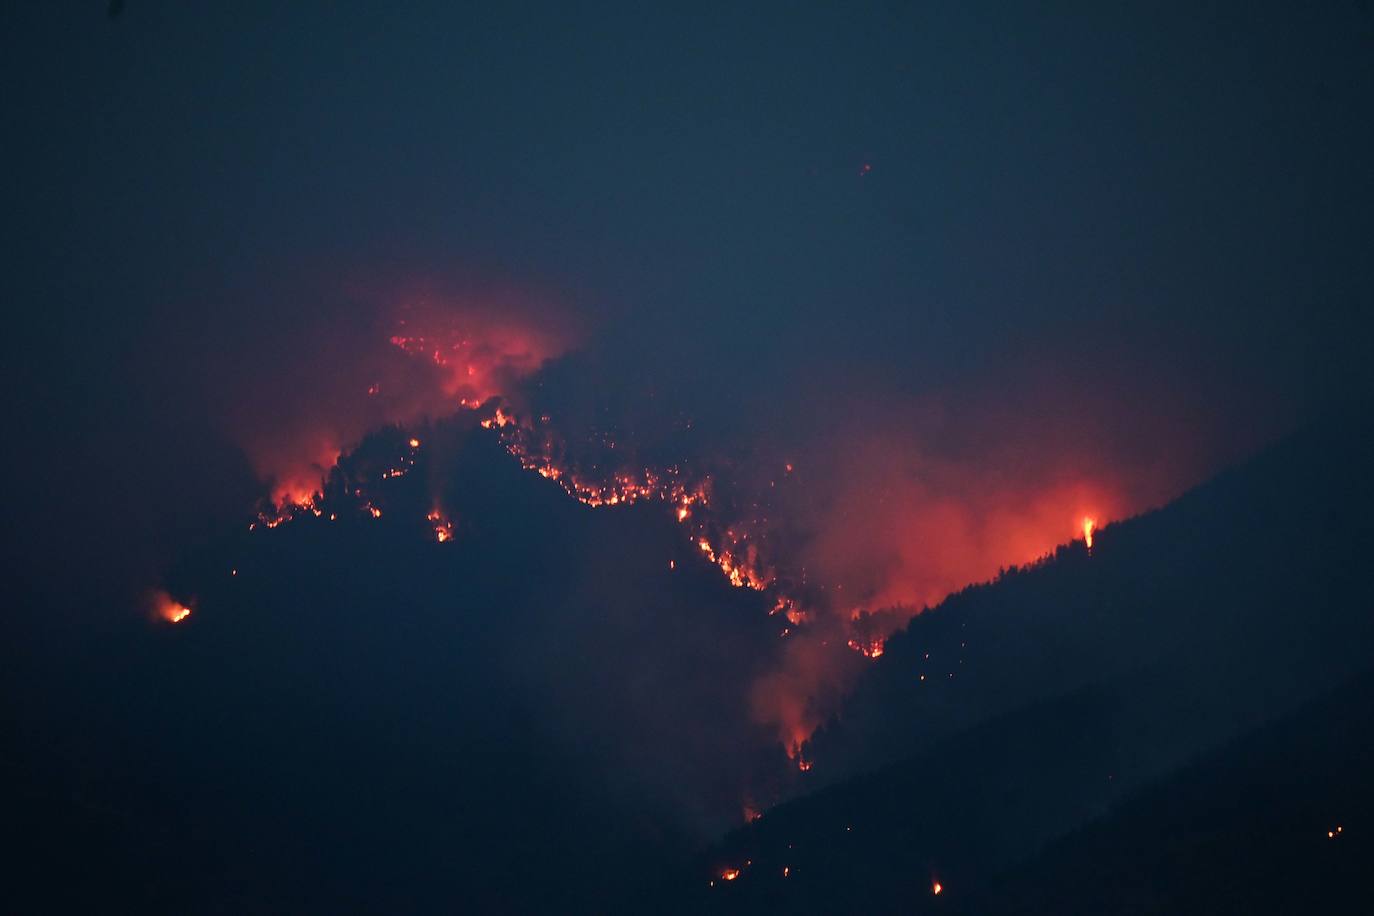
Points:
x=1088 y=525
x=869 y=648
x=167 y=608
x=443 y=528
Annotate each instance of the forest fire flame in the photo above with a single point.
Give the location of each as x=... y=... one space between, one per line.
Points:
x=167 y=608
x=729 y=544
x=723 y=509
x=443 y=528
x=868 y=648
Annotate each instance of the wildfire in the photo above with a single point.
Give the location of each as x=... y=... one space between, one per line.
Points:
x=937 y=888
x=443 y=528
x=167 y=608
x=729 y=874
x=288 y=508
x=731 y=529
x=869 y=648
x=498 y=420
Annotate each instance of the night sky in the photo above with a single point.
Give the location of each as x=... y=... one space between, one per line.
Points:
x=917 y=287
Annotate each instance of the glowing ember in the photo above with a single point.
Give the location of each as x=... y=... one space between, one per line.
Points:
x=167 y=608
x=443 y=528
x=287 y=508
x=869 y=648
x=499 y=420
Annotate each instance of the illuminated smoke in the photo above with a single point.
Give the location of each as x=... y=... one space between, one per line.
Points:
x=328 y=385
x=846 y=530
x=165 y=608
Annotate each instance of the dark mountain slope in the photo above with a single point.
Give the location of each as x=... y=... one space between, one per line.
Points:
x=1245 y=830
x=1248 y=830
x=356 y=717
x=1060 y=690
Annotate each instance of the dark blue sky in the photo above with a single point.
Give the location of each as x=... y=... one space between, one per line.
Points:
x=1121 y=218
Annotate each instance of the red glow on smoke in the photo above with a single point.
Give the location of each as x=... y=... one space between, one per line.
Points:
x=168 y=609
x=844 y=537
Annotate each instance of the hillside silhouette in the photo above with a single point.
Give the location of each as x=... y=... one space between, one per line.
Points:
x=1081 y=682
x=544 y=713
x=356 y=717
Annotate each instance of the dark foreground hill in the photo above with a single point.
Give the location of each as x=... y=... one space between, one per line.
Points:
x=1278 y=821
x=359 y=718
x=542 y=715
x=1017 y=712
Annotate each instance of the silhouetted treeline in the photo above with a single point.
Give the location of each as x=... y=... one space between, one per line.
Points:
x=1018 y=711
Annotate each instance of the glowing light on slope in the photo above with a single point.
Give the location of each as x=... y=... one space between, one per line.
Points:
x=287 y=508
x=868 y=648
x=167 y=608
x=723 y=515
x=443 y=528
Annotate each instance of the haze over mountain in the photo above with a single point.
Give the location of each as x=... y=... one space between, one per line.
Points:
x=1029 y=707
x=483 y=456
x=474 y=727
